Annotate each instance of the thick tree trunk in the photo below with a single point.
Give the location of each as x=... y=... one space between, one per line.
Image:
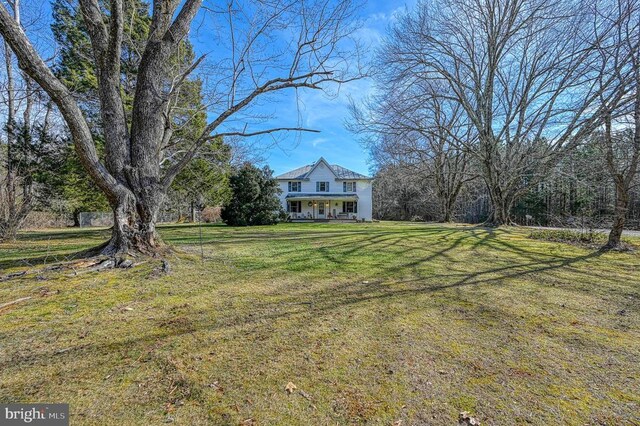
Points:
x=76 y=218
x=8 y=230
x=134 y=228
x=500 y=208
x=622 y=204
x=447 y=208
x=494 y=179
x=10 y=225
x=449 y=198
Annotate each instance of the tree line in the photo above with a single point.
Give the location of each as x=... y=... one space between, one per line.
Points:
x=497 y=110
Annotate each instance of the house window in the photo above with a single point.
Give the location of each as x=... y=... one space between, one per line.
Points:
x=294 y=206
x=295 y=186
x=322 y=186
x=348 y=187
x=350 y=207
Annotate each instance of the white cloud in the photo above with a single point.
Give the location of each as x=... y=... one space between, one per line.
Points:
x=318 y=141
x=328 y=112
x=318 y=109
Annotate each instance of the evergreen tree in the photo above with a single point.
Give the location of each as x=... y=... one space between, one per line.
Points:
x=205 y=181
x=76 y=69
x=35 y=161
x=78 y=192
x=254 y=199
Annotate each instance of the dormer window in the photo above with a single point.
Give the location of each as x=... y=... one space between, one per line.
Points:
x=322 y=186
x=348 y=187
x=295 y=186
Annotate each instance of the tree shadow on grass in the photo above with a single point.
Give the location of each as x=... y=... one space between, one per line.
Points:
x=304 y=307
x=311 y=304
x=57 y=250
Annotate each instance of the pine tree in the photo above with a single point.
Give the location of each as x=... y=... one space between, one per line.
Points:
x=205 y=181
x=77 y=70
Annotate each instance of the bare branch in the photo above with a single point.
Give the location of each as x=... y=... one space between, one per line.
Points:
x=35 y=67
x=264 y=132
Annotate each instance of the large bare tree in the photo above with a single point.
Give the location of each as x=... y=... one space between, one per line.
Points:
x=619 y=138
x=267 y=47
x=418 y=130
x=521 y=70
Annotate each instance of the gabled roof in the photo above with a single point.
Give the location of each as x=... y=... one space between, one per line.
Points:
x=320 y=161
x=303 y=173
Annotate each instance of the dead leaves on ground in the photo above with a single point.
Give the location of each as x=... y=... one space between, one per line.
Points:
x=290 y=388
x=46 y=292
x=465 y=419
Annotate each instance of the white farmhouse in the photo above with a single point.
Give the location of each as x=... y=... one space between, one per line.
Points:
x=323 y=191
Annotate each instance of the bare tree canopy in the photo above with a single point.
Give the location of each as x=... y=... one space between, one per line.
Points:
x=618 y=53
x=418 y=129
x=523 y=74
x=308 y=51
x=27 y=120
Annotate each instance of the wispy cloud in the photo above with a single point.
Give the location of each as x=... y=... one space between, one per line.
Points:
x=328 y=112
x=318 y=141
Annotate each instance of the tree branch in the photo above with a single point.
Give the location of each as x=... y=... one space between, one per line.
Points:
x=264 y=132
x=33 y=65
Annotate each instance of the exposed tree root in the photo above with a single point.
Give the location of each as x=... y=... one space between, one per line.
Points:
x=497 y=224
x=83 y=265
x=621 y=247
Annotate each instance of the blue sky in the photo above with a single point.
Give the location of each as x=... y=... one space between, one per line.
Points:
x=327 y=114
x=316 y=110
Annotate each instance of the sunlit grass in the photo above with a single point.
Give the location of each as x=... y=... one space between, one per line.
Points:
x=372 y=322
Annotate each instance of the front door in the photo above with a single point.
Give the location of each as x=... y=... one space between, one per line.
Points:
x=321 y=210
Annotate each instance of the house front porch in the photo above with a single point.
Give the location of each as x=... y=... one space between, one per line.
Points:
x=294 y=220
x=322 y=207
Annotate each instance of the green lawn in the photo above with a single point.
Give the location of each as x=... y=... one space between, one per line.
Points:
x=373 y=323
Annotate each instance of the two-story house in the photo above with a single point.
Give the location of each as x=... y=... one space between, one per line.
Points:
x=326 y=191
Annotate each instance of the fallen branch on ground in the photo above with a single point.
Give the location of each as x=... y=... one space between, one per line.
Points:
x=6 y=305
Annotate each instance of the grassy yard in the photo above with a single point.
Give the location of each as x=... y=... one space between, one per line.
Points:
x=373 y=323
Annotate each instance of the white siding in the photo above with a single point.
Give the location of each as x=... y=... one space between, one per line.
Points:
x=365 y=203
x=284 y=186
x=322 y=173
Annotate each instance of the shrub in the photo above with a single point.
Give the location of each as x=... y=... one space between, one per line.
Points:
x=254 y=199
x=211 y=214
x=588 y=237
